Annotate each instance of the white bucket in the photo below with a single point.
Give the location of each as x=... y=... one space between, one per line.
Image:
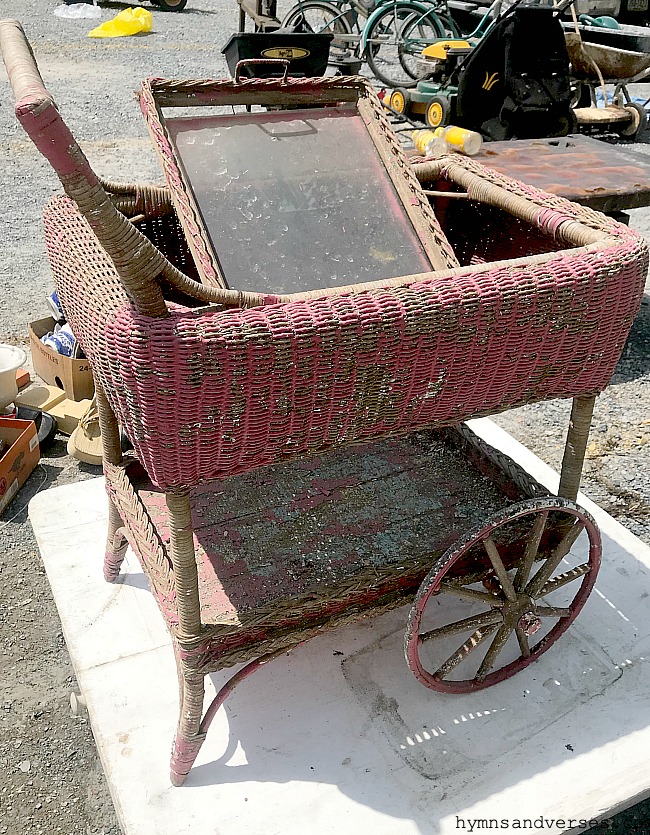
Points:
x=11 y=358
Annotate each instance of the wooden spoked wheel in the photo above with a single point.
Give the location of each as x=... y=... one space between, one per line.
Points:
x=500 y=597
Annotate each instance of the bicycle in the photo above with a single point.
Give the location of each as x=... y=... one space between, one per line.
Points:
x=342 y=19
x=390 y=40
x=395 y=35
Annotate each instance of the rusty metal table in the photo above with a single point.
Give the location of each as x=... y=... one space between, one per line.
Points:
x=609 y=178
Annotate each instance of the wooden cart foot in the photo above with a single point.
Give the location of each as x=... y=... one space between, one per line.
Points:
x=177 y=779
x=116 y=543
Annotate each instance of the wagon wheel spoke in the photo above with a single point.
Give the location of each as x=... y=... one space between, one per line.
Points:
x=464 y=625
x=472 y=594
x=563 y=579
x=503 y=633
x=543 y=575
x=532 y=549
x=552 y=611
x=523 y=641
x=474 y=640
x=500 y=569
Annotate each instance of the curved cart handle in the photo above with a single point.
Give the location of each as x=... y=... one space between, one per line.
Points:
x=37 y=113
x=138 y=262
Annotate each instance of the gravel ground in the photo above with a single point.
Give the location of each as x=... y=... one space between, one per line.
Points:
x=53 y=781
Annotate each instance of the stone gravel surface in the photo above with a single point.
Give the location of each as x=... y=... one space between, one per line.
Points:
x=52 y=779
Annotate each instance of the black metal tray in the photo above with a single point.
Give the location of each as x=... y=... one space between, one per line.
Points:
x=307 y=53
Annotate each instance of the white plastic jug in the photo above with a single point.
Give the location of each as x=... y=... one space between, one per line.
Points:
x=11 y=358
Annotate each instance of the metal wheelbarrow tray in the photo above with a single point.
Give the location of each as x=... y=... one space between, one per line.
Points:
x=592 y=63
x=613 y=62
x=292 y=467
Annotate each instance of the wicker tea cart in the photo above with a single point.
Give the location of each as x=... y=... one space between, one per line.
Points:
x=296 y=464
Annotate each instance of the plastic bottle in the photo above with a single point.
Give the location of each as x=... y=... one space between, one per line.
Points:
x=434 y=143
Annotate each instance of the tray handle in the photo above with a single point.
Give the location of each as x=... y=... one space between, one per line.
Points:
x=247 y=62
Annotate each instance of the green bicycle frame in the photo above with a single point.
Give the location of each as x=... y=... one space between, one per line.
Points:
x=427 y=12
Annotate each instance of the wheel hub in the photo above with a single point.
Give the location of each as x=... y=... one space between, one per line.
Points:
x=529 y=623
x=523 y=613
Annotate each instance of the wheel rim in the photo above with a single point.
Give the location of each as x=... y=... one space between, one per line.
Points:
x=534 y=586
x=638 y=121
x=435 y=114
x=394 y=38
x=322 y=18
x=418 y=32
x=397 y=101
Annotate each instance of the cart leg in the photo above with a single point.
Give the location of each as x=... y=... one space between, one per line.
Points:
x=116 y=544
x=576 y=445
x=192 y=730
x=189 y=737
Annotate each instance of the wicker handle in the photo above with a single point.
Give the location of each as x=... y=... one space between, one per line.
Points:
x=24 y=77
x=137 y=261
x=569 y=223
x=35 y=107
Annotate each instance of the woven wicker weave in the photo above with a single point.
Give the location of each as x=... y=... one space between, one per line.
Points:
x=538 y=307
x=214 y=393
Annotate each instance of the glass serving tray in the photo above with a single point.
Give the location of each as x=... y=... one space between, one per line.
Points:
x=295 y=200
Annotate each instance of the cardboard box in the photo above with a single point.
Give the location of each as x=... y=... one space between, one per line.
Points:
x=20 y=459
x=68 y=413
x=73 y=376
x=23 y=378
x=40 y=397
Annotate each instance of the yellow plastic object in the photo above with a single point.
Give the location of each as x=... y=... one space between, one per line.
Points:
x=127 y=22
x=426 y=142
x=464 y=141
x=439 y=49
x=444 y=139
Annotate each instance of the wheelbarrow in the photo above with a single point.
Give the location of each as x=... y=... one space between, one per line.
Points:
x=595 y=65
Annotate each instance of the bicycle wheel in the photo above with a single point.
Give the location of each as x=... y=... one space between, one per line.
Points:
x=385 y=42
x=324 y=17
x=418 y=32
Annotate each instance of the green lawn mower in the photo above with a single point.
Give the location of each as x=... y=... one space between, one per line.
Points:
x=434 y=98
x=513 y=82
